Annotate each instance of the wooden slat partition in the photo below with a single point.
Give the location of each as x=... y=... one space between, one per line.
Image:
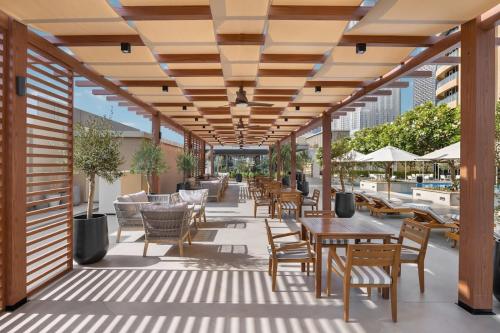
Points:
x=2 y=171
x=49 y=160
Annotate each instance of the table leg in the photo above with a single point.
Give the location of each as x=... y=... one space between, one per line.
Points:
x=303 y=236
x=318 y=270
x=385 y=291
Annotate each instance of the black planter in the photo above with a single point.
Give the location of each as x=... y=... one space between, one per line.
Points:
x=181 y=186
x=303 y=186
x=496 y=268
x=239 y=177
x=344 y=204
x=90 y=238
x=285 y=181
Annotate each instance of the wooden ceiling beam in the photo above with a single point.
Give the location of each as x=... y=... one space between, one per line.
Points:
x=147 y=83
x=418 y=74
x=194 y=92
x=237 y=84
x=338 y=13
x=357 y=105
x=195 y=72
x=285 y=72
x=163 y=104
x=164 y=13
x=293 y=58
x=348 y=109
x=260 y=91
x=188 y=58
x=389 y=41
x=241 y=39
x=207 y=98
x=397 y=84
x=102 y=92
x=447 y=60
x=311 y=105
x=368 y=99
x=381 y=92
x=272 y=98
x=95 y=40
x=335 y=84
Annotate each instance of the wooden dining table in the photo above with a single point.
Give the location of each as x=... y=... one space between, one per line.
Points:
x=356 y=227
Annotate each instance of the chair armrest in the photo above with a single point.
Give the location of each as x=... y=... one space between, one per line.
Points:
x=410 y=248
x=287 y=234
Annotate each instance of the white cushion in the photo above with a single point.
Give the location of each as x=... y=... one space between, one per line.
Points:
x=130 y=209
x=308 y=202
x=366 y=274
x=139 y=197
x=289 y=205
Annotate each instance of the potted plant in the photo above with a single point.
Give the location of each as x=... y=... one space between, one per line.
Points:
x=344 y=201
x=96 y=154
x=185 y=164
x=241 y=167
x=148 y=160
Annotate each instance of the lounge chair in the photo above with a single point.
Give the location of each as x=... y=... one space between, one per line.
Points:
x=428 y=217
x=166 y=225
x=197 y=199
x=127 y=210
x=287 y=252
x=362 y=200
x=214 y=187
x=383 y=206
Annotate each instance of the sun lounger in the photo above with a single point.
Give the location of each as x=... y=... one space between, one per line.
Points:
x=433 y=220
x=383 y=206
x=362 y=199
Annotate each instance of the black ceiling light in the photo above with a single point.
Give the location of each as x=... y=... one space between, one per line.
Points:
x=164 y=88
x=203 y=126
x=209 y=132
x=184 y=108
x=360 y=48
x=126 y=47
x=297 y=108
x=317 y=89
x=272 y=132
x=286 y=119
x=196 y=119
x=278 y=127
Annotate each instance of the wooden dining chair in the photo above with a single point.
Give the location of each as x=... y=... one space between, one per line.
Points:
x=287 y=252
x=259 y=201
x=366 y=265
x=418 y=234
x=313 y=201
x=291 y=202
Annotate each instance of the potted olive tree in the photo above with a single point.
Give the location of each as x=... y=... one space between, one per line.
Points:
x=344 y=201
x=185 y=164
x=96 y=154
x=148 y=160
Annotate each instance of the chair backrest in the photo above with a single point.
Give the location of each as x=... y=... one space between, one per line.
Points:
x=319 y=213
x=386 y=255
x=166 y=221
x=415 y=232
x=291 y=197
x=315 y=195
x=175 y=198
x=428 y=214
x=195 y=197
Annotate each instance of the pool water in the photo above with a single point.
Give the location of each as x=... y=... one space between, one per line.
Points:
x=433 y=185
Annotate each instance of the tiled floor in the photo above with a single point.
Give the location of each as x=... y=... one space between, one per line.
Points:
x=221 y=285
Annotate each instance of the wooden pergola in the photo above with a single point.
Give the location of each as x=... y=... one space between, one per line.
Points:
x=184 y=67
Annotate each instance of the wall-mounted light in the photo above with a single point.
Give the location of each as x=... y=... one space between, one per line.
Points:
x=126 y=47
x=360 y=48
x=164 y=88
x=317 y=89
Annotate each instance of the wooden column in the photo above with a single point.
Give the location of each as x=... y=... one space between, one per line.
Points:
x=212 y=161
x=15 y=233
x=293 y=161
x=477 y=171
x=270 y=164
x=156 y=124
x=278 y=161
x=327 y=160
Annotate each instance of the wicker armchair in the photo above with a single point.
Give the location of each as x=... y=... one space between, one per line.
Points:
x=127 y=212
x=214 y=188
x=197 y=199
x=166 y=225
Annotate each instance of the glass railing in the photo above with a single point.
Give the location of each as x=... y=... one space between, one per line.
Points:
x=448 y=99
x=447 y=79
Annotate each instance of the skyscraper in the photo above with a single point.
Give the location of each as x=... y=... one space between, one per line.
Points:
x=424 y=89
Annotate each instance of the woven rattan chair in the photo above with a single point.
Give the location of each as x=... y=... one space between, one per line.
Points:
x=197 y=199
x=166 y=225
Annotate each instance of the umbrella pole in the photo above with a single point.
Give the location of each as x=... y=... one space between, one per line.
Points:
x=405 y=172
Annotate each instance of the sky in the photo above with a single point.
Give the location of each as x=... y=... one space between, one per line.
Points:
x=407 y=97
x=85 y=100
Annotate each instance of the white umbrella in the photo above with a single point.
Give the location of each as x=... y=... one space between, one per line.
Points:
x=451 y=152
x=356 y=156
x=389 y=155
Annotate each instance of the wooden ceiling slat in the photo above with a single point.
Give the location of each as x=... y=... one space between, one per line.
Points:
x=335 y=84
x=368 y=99
x=272 y=98
x=381 y=92
x=207 y=98
x=389 y=41
x=292 y=58
x=357 y=105
x=285 y=72
x=348 y=109
x=163 y=104
x=151 y=13
x=195 y=72
x=312 y=105
x=205 y=91
x=341 y=13
x=418 y=74
x=188 y=58
x=241 y=39
x=245 y=84
x=95 y=40
x=398 y=84
x=447 y=60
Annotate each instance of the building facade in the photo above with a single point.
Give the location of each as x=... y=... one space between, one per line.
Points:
x=424 y=89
